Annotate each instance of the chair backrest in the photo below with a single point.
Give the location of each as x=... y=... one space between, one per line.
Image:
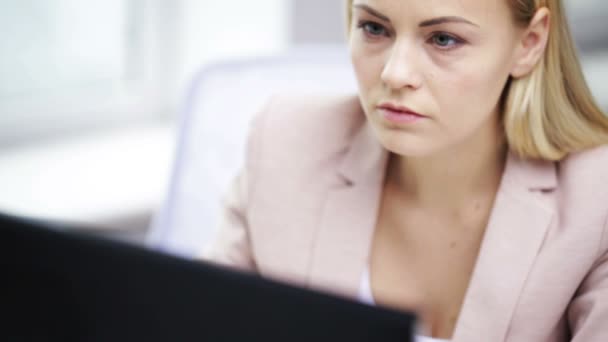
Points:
x=215 y=120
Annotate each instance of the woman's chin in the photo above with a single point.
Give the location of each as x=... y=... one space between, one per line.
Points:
x=405 y=144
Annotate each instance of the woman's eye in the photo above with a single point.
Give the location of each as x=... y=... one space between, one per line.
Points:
x=373 y=29
x=445 y=41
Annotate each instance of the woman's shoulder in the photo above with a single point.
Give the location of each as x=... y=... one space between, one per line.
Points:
x=295 y=124
x=591 y=163
x=583 y=182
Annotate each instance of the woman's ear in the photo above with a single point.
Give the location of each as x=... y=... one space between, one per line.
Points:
x=533 y=43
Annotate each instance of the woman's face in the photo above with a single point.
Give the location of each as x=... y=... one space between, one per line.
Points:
x=446 y=60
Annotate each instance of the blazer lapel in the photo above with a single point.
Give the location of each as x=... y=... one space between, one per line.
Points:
x=522 y=212
x=344 y=235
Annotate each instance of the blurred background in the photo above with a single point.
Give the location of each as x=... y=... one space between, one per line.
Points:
x=91 y=92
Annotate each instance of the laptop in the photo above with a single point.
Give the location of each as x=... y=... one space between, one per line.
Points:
x=63 y=286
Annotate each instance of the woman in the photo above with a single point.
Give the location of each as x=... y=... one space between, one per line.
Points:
x=468 y=180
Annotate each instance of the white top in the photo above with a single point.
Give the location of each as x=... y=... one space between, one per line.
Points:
x=366 y=296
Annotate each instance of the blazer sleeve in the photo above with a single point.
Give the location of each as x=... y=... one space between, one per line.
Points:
x=588 y=311
x=232 y=244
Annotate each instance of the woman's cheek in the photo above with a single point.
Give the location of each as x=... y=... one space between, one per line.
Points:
x=368 y=70
x=461 y=100
x=468 y=84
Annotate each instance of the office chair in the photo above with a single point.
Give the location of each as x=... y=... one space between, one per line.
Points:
x=215 y=119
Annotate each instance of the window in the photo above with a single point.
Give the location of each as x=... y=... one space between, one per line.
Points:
x=71 y=65
x=67 y=64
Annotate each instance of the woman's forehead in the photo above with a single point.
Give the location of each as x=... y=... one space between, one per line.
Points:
x=482 y=12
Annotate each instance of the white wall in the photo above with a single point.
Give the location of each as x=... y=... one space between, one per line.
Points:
x=93 y=176
x=213 y=30
x=104 y=176
x=318 y=21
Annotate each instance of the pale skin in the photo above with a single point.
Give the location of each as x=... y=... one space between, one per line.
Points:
x=445 y=169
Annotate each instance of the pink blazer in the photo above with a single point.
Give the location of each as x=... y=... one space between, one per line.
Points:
x=303 y=210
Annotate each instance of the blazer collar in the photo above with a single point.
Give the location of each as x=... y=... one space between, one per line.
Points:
x=522 y=213
x=531 y=173
x=365 y=159
x=344 y=234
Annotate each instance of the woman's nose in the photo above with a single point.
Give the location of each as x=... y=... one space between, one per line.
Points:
x=400 y=70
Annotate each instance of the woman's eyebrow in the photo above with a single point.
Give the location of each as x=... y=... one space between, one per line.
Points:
x=373 y=12
x=443 y=20
x=430 y=22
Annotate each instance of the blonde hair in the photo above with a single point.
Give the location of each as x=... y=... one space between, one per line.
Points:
x=550 y=112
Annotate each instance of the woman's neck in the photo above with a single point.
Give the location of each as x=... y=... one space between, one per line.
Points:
x=446 y=179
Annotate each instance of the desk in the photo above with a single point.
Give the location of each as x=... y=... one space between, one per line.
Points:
x=99 y=179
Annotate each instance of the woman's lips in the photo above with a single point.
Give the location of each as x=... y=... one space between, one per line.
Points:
x=399 y=114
